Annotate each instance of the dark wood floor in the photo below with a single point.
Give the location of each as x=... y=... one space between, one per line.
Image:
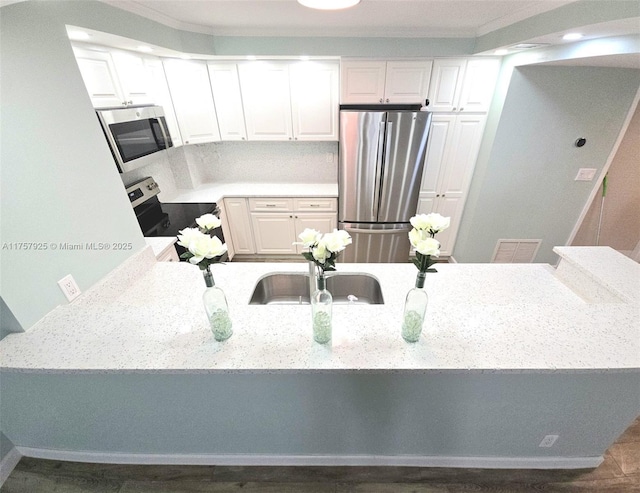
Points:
x=619 y=473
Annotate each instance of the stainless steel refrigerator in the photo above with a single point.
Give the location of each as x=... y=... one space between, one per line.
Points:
x=380 y=169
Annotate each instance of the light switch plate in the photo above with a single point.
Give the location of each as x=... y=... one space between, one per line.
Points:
x=585 y=174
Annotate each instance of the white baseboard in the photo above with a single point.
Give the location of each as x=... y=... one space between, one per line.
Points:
x=317 y=460
x=7 y=464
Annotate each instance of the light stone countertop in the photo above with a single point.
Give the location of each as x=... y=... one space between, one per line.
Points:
x=160 y=243
x=214 y=192
x=148 y=317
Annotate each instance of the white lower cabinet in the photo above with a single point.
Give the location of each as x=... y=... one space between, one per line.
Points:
x=277 y=222
x=236 y=226
x=270 y=225
x=454 y=141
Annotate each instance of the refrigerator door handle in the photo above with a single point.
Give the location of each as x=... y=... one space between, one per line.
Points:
x=377 y=189
x=376 y=231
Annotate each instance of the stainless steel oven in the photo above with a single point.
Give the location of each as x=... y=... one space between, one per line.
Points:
x=135 y=134
x=167 y=218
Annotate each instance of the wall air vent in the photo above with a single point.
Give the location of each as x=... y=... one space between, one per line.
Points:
x=515 y=251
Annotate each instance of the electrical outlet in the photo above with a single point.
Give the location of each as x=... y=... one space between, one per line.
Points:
x=548 y=441
x=69 y=287
x=585 y=174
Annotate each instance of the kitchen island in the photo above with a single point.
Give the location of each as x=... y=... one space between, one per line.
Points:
x=510 y=354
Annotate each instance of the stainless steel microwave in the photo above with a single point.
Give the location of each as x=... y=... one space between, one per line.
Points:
x=135 y=134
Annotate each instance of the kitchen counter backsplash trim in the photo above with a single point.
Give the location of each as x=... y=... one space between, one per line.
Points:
x=483 y=318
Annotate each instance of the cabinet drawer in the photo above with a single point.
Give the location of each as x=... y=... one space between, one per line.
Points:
x=316 y=204
x=271 y=204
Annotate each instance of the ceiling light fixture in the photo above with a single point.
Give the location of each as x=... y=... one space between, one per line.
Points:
x=328 y=4
x=572 y=36
x=501 y=52
x=145 y=49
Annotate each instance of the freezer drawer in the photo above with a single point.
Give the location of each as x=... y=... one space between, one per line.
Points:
x=376 y=243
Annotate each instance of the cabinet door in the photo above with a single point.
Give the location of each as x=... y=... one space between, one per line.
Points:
x=266 y=100
x=446 y=83
x=449 y=207
x=325 y=223
x=100 y=79
x=274 y=232
x=362 y=82
x=162 y=97
x=462 y=154
x=407 y=82
x=314 y=100
x=192 y=100
x=237 y=217
x=134 y=77
x=225 y=86
x=439 y=143
x=479 y=83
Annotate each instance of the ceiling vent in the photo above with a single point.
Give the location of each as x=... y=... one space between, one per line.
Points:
x=515 y=251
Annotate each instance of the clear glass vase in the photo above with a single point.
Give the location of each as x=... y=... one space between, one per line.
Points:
x=321 y=304
x=215 y=304
x=415 y=308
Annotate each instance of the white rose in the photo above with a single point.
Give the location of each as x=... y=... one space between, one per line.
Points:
x=320 y=252
x=416 y=236
x=434 y=222
x=206 y=247
x=187 y=235
x=344 y=236
x=428 y=246
x=336 y=241
x=208 y=221
x=437 y=222
x=309 y=237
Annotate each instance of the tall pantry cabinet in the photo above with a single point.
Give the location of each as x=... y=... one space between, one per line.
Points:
x=460 y=93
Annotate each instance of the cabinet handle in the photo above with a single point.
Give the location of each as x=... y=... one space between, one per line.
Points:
x=454 y=108
x=381 y=100
x=314 y=205
x=387 y=100
x=269 y=205
x=291 y=217
x=437 y=195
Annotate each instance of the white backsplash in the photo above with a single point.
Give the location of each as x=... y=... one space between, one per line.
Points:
x=270 y=162
x=190 y=166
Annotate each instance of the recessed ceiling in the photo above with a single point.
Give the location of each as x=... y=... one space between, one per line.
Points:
x=401 y=18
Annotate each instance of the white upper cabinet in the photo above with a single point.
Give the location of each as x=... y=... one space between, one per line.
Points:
x=134 y=77
x=314 y=100
x=115 y=77
x=460 y=85
x=100 y=78
x=290 y=100
x=375 y=82
x=266 y=101
x=362 y=82
x=225 y=85
x=407 y=82
x=162 y=96
x=192 y=100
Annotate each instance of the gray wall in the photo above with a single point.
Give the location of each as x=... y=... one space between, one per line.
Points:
x=59 y=182
x=444 y=414
x=5 y=446
x=525 y=187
